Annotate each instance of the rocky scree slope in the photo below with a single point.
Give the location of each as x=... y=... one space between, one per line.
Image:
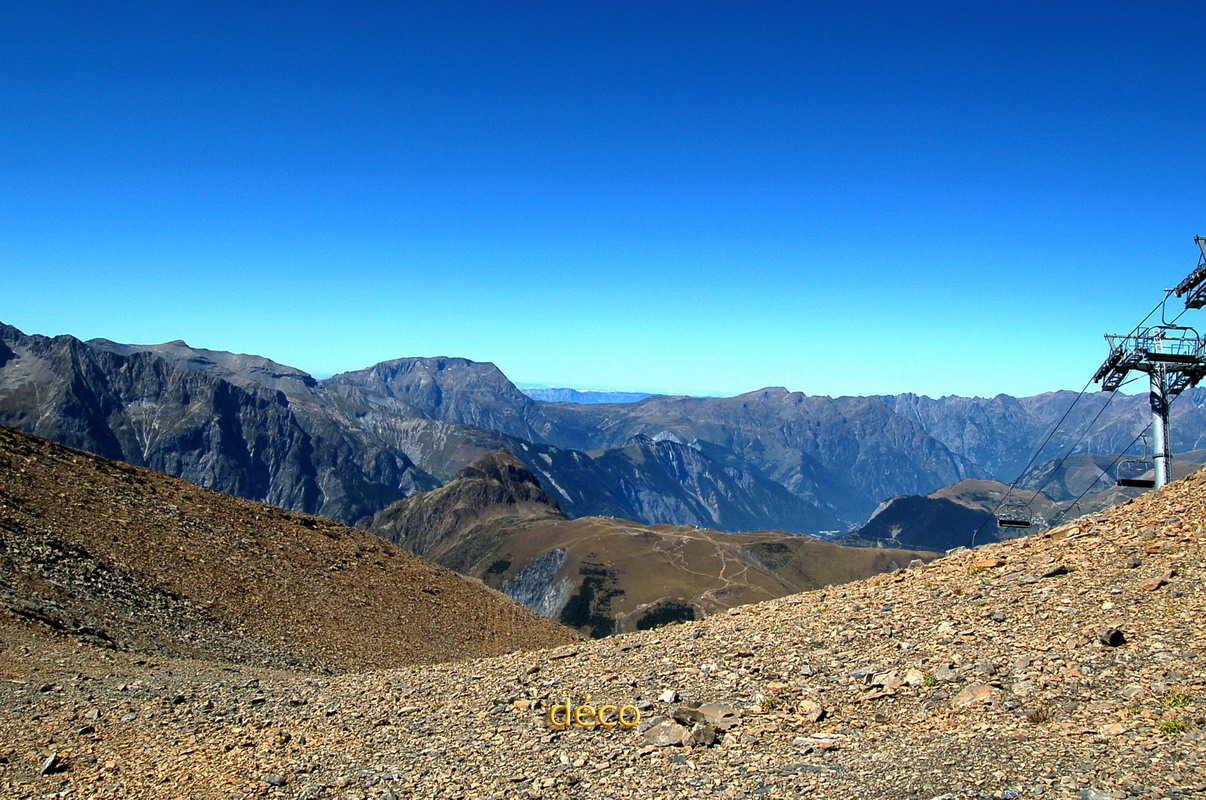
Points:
x=1066 y=666
x=126 y=558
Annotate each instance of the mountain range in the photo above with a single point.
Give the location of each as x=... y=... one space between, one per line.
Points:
x=350 y=445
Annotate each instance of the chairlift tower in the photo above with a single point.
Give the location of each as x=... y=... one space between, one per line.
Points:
x=1173 y=356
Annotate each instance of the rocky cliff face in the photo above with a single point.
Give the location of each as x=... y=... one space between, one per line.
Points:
x=450 y=389
x=351 y=445
x=998 y=434
x=845 y=453
x=666 y=480
x=182 y=414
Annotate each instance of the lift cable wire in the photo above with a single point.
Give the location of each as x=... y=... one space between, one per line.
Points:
x=1106 y=471
x=1059 y=462
x=1070 y=450
x=1033 y=456
x=1112 y=375
x=1009 y=492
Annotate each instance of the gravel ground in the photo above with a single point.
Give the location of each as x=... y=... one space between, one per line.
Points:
x=1071 y=664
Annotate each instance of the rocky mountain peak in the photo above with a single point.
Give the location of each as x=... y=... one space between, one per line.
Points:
x=508 y=471
x=497 y=484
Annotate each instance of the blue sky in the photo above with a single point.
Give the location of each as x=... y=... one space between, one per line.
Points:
x=702 y=197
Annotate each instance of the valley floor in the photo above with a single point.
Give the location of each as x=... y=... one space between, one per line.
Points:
x=980 y=675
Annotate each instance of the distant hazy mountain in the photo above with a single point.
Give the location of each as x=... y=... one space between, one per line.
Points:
x=845 y=454
x=576 y=396
x=998 y=434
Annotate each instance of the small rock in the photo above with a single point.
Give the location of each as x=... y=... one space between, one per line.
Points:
x=1111 y=637
x=665 y=734
x=889 y=681
x=975 y=694
x=810 y=710
x=648 y=722
x=51 y=764
x=1133 y=691
x=862 y=674
x=946 y=672
x=668 y=696
x=688 y=716
x=1153 y=584
x=717 y=711
x=700 y=735
x=274 y=779
x=1055 y=571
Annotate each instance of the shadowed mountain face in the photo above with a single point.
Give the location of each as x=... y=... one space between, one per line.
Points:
x=926 y=523
x=350 y=445
x=450 y=389
x=496 y=484
x=964 y=513
x=844 y=453
x=652 y=481
x=998 y=434
x=602 y=574
x=239 y=424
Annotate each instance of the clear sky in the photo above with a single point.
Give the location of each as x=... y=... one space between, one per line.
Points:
x=693 y=197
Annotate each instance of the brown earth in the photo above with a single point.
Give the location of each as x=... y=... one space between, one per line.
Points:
x=128 y=558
